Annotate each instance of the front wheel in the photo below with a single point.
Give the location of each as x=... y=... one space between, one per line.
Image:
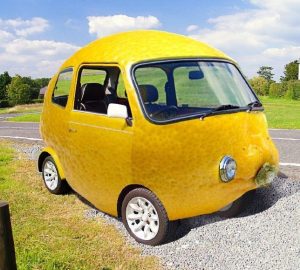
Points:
x=235 y=208
x=52 y=179
x=145 y=218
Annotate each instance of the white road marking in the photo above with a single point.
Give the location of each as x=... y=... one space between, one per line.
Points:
x=289 y=164
x=278 y=129
x=23 y=138
x=286 y=139
x=24 y=128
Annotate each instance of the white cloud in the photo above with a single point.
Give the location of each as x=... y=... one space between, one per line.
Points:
x=291 y=51
x=36 y=58
x=192 y=28
x=105 y=25
x=5 y=37
x=268 y=34
x=25 y=28
x=39 y=47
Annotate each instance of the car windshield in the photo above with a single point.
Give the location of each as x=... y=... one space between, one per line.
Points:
x=181 y=89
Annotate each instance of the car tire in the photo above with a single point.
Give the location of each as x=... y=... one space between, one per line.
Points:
x=145 y=218
x=236 y=207
x=52 y=179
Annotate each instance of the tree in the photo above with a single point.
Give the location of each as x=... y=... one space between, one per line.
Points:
x=290 y=71
x=260 y=85
x=34 y=87
x=266 y=72
x=5 y=80
x=42 y=82
x=18 y=91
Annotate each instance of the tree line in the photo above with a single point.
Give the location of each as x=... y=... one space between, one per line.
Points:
x=289 y=86
x=19 y=90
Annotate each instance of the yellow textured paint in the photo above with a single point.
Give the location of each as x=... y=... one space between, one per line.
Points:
x=179 y=162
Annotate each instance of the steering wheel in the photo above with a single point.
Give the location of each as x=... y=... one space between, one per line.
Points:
x=172 y=107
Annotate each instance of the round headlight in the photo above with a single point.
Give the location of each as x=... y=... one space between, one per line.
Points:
x=227 y=168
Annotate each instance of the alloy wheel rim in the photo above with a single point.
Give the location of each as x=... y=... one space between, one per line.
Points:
x=142 y=218
x=50 y=175
x=227 y=207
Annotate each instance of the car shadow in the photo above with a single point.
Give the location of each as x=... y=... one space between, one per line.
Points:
x=263 y=199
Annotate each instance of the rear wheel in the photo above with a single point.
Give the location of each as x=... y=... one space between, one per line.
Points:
x=52 y=179
x=145 y=218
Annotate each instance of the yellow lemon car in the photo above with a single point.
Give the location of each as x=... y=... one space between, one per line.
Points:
x=154 y=127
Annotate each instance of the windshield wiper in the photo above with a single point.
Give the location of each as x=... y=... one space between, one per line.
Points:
x=220 y=108
x=253 y=104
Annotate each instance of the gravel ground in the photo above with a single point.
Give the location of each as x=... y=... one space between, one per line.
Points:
x=31 y=150
x=265 y=236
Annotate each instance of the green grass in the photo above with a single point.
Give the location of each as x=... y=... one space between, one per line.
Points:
x=282 y=113
x=51 y=232
x=27 y=108
x=31 y=117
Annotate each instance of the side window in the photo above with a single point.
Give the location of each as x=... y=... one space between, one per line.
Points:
x=62 y=87
x=121 y=92
x=97 y=87
x=121 y=95
x=91 y=87
x=92 y=75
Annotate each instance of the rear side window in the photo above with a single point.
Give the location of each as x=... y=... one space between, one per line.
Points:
x=62 y=87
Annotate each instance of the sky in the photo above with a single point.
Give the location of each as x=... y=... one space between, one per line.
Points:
x=36 y=36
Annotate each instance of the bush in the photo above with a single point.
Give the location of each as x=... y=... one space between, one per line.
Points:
x=278 y=89
x=293 y=90
x=4 y=103
x=260 y=85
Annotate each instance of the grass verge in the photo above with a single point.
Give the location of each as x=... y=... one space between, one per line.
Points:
x=27 y=108
x=50 y=232
x=30 y=117
x=282 y=113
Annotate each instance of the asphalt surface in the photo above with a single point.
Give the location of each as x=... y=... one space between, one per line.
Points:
x=265 y=236
x=288 y=145
x=18 y=130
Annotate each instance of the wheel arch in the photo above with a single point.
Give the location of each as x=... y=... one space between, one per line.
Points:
x=123 y=193
x=46 y=152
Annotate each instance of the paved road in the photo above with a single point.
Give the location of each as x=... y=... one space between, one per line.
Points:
x=287 y=141
x=25 y=131
x=288 y=144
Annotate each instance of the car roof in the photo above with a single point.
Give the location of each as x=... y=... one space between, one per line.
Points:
x=142 y=45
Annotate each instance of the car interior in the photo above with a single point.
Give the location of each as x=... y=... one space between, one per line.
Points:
x=98 y=87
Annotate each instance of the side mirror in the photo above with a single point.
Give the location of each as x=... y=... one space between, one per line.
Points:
x=117 y=111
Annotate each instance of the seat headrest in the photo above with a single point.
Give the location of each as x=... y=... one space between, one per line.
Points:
x=148 y=92
x=92 y=92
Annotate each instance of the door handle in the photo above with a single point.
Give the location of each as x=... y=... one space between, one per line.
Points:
x=72 y=130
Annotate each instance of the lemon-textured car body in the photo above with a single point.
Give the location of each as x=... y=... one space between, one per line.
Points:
x=101 y=156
